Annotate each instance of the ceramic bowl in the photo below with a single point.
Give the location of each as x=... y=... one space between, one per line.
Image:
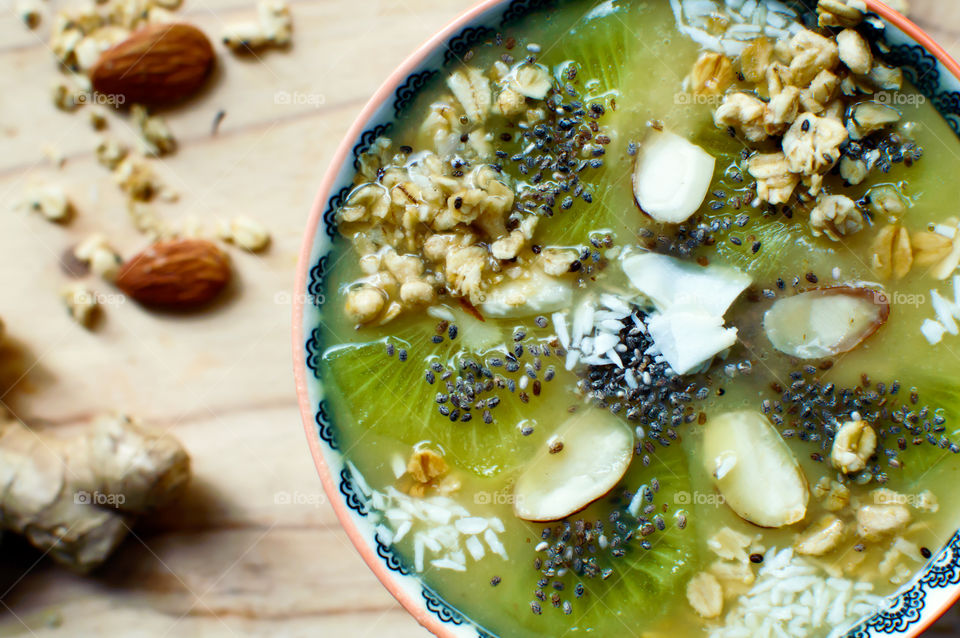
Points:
x=911 y=610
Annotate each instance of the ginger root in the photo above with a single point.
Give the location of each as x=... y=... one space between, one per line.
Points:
x=76 y=498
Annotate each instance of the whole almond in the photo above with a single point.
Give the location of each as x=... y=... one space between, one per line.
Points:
x=181 y=273
x=159 y=64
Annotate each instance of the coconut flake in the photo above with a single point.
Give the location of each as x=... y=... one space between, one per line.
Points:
x=582 y=322
x=402 y=530
x=933 y=331
x=946 y=230
x=670 y=282
x=398 y=466
x=586 y=346
x=560 y=327
x=358 y=479
x=605 y=342
x=494 y=543
x=418 y=551
x=445 y=563
x=475 y=547
x=384 y=533
x=944 y=310
x=610 y=325
x=441 y=312
x=688 y=339
x=615 y=304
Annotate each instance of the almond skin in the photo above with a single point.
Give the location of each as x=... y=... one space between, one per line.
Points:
x=159 y=64
x=182 y=273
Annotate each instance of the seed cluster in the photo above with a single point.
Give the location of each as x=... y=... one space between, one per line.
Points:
x=474 y=386
x=813 y=411
x=893 y=149
x=555 y=151
x=588 y=549
x=645 y=390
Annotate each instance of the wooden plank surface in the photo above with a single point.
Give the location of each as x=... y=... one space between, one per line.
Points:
x=254 y=549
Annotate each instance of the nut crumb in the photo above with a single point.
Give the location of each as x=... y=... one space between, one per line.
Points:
x=81 y=304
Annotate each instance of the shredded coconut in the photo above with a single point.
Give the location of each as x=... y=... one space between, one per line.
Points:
x=792 y=597
x=440 y=527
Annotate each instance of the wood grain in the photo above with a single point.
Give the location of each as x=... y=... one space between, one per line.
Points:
x=232 y=559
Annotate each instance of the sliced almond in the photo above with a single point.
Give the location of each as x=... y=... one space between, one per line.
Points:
x=826 y=321
x=754 y=469
x=596 y=451
x=671 y=177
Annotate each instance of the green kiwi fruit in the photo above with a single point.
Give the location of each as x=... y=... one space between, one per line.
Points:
x=396 y=399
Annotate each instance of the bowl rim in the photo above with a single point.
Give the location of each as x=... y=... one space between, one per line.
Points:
x=385 y=92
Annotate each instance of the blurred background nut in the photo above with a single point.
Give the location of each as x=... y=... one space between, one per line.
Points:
x=99 y=256
x=246 y=233
x=272 y=28
x=81 y=303
x=179 y=274
x=156 y=138
x=158 y=64
x=50 y=201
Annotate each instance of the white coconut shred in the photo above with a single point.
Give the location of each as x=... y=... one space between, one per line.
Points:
x=795 y=598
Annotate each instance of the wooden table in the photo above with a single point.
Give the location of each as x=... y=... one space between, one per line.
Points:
x=234 y=558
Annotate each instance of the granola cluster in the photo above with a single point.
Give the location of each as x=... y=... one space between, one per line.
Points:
x=443 y=220
x=814 y=94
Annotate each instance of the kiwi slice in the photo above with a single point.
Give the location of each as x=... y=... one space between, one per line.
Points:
x=642 y=578
x=942 y=399
x=395 y=399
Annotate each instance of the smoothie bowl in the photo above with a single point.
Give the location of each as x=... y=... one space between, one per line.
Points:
x=642 y=316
